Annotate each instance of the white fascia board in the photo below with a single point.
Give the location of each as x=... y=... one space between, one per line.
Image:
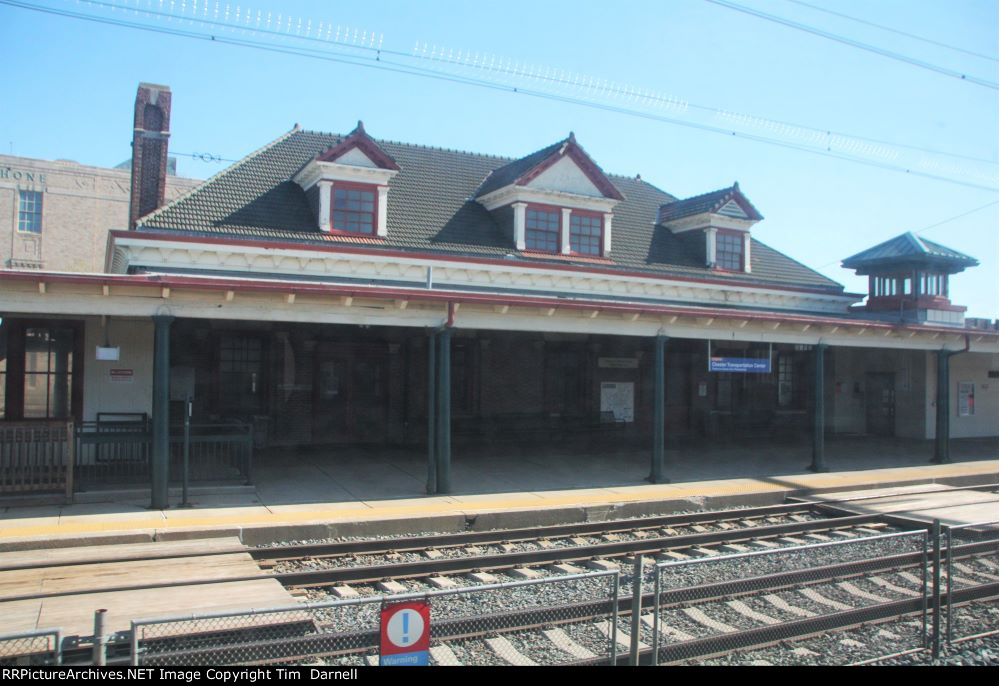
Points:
x=708 y=220
x=316 y=171
x=270 y=307
x=511 y=194
x=166 y=254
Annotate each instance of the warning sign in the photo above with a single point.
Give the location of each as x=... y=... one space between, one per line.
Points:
x=405 y=634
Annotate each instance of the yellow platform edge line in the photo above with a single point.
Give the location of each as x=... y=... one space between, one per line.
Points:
x=539 y=500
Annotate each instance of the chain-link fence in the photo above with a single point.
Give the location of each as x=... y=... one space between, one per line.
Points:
x=567 y=619
x=716 y=604
x=970 y=572
x=31 y=648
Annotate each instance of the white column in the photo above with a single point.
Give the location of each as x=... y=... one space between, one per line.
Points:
x=520 y=225
x=382 y=229
x=325 y=202
x=566 y=225
x=711 y=253
x=746 y=243
x=607 y=233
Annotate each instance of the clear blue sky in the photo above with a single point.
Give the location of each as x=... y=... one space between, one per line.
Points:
x=70 y=85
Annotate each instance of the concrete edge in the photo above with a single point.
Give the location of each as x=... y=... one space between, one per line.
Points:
x=454 y=522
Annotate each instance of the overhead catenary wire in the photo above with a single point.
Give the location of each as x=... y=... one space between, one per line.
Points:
x=906 y=34
x=377 y=61
x=856 y=44
x=833 y=137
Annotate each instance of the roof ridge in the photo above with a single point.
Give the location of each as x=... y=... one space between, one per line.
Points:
x=917 y=241
x=232 y=167
x=418 y=145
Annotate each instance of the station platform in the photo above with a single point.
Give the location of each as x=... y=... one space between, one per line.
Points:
x=309 y=495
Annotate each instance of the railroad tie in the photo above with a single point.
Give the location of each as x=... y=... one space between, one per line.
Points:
x=861 y=593
x=372 y=660
x=666 y=630
x=506 y=650
x=821 y=538
x=815 y=596
x=911 y=578
x=800 y=518
x=965 y=569
x=392 y=587
x=561 y=640
x=524 y=573
x=482 y=577
x=988 y=563
x=884 y=583
x=698 y=616
x=843 y=534
x=432 y=554
x=621 y=637
x=566 y=568
x=782 y=604
x=442 y=582
x=763 y=543
x=747 y=611
x=345 y=592
x=444 y=656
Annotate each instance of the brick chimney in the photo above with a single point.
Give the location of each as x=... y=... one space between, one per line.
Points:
x=149 y=150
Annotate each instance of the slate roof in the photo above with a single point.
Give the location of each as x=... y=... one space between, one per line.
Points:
x=909 y=248
x=707 y=202
x=431 y=208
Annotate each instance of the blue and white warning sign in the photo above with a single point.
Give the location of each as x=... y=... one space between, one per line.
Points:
x=405 y=634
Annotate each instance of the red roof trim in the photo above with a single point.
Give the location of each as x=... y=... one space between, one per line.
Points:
x=260 y=285
x=358 y=138
x=582 y=160
x=275 y=245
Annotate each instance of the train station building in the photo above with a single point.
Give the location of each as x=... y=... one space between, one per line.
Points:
x=341 y=293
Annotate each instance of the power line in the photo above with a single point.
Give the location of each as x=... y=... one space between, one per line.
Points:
x=895 y=31
x=958 y=216
x=377 y=62
x=934 y=225
x=856 y=44
x=830 y=137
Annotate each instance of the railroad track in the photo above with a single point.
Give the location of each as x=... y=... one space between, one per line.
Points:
x=697 y=622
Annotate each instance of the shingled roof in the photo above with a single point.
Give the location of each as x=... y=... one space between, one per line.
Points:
x=907 y=249
x=707 y=203
x=431 y=209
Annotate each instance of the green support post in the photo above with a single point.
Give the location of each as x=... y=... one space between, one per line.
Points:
x=432 y=413
x=444 y=413
x=819 y=423
x=160 y=463
x=657 y=472
x=941 y=451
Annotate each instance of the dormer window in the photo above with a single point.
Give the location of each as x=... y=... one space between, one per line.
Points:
x=728 y=251
x=542 y=229
x=561 y=200
x=348 y=184
x=355 y=208
x=585 y=233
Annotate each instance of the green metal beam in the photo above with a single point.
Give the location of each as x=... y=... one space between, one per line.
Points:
x=160 y=463
x=819 y=412
x=444 y=413
x=657 y=473
x=432 y=412
x=941 y=449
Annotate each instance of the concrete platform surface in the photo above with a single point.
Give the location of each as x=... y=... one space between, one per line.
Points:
x=259 y=519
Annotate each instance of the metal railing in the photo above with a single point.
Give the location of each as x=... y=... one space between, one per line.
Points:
x=36 y=457
x=31 y=648
x=699 y=609
x=959 y=574
x=556 y=620
x=119 y=451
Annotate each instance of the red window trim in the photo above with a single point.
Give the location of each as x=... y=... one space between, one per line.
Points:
x=373 y=188
x=558 y=240
x=742 y=250
x=600 y=218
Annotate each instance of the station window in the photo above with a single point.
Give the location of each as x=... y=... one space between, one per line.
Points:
x=354 y=208
x=29 y=211
x=728 y=251
x=585 y=233
x=542 y=229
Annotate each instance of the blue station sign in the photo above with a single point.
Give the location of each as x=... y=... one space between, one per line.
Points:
x=753 y=365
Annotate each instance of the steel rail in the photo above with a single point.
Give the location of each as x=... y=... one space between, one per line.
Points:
x=290 y=648
x=466 y=538
x=457 y=565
